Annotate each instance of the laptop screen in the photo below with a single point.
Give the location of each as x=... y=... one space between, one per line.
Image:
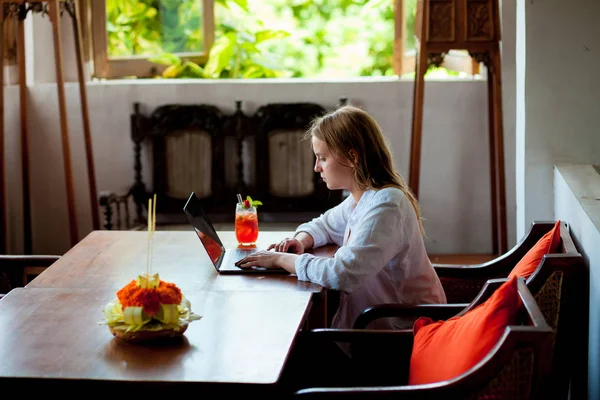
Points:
x=204 y=229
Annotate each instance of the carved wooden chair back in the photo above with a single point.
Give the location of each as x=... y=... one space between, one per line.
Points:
x=285 y=178
x=187 y=153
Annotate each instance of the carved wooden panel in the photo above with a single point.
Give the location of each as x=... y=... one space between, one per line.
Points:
x=480 y=20
x=291 y=164
x=188 y=164
x=442 y=27
x=188 y=154
x=290 y=158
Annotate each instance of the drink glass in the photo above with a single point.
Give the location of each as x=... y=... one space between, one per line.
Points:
x=246 y=225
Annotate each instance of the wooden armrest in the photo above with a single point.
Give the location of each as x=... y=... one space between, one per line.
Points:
x=408 y=312
x=373 y=392
x=488 y=289
x=502 y=265
x=462 y=283
x=433 y=311
x=360 y=335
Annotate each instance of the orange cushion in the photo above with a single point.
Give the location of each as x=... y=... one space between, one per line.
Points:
x=549 y=243
x=445 y=349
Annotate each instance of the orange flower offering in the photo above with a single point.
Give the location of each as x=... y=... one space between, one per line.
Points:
x=149 y=299
x=148 y=308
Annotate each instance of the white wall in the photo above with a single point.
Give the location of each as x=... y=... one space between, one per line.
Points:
x=577 y=191
x=561 y=89
x=558 y=120
x=455 y=184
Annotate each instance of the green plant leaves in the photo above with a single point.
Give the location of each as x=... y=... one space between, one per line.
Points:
x=220 y=55
x=243 y=4
x=269 y=34
x=254 y=203
x=166 y=59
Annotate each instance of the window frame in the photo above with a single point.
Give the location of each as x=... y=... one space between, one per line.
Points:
x=139 y=66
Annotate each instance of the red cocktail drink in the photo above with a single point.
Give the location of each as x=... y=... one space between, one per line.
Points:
x=246 y=225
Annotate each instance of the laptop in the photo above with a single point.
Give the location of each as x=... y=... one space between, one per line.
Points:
x=223 y=259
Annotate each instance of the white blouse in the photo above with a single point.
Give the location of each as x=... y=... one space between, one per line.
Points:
x=382 y=258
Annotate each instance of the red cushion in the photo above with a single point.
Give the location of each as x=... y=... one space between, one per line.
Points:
x=549 y=243
x=445 y=349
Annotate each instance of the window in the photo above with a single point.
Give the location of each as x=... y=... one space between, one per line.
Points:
x=127 y=34
x=258 y=39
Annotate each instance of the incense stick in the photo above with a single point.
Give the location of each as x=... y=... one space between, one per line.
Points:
x=151 y=228
x=152 y=235
x=149 y=221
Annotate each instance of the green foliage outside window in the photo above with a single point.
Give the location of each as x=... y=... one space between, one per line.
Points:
x=291 y=38
x=151 y=27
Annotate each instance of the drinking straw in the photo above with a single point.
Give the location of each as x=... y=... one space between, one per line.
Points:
x=240 y=198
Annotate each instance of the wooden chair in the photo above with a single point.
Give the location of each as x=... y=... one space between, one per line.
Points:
x=463 y=282
x=18 y=270
x=513 y=369
x=187 y=152
x=560 y=285
x=286 y=182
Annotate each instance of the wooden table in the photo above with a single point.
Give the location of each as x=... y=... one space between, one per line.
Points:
x=111 y=259
x=51 y=340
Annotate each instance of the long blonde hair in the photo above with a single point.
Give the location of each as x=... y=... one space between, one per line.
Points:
x=350 y=128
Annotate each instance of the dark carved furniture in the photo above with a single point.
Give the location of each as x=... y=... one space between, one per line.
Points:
x=286 y=182
x=18 y=270
x=473 y=25
x=186 y=148
x=186 y=144
x=513 y=370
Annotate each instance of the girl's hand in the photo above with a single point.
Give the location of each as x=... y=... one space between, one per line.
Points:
x=288 y=245
x=270 y=260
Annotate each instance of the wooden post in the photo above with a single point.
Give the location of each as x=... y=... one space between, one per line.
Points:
x=3 y=243
x=418 y=94
x=76 y=18
x=495 y=66
x=399 y=36
x=23 y=111
x=473 y=26
x=53 y=12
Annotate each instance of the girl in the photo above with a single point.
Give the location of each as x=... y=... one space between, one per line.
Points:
x=382 y=257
